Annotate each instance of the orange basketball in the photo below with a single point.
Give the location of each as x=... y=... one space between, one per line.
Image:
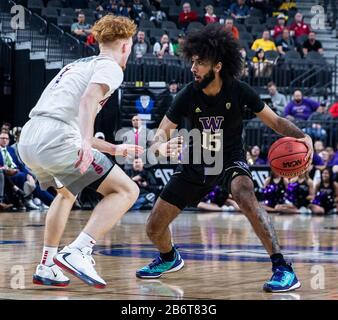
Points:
x=286 y=157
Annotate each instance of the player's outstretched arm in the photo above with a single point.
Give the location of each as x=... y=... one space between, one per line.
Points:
x=117 y=149
x=285 y=128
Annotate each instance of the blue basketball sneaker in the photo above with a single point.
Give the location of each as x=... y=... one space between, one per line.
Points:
x=159 y=266
x=283 y=279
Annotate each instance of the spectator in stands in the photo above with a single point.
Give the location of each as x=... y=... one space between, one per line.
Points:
x=311 y=44
x=280 y=26
x=298 y=27
x=298 y=194
x=273 y=192
x=139 y=10
x=17 y=173
x=142 y=178
x=318 y=146
x=229 y=27
x=300 y=108
x=110 y=6
x=265 y=43
x=172 y=91
x=325 y=156
x=333 y=157
x=99 y=11
x=141 y=45
x=218 y=200
x=286 y=6
x=3 y=206
x=246 y=62
x=178 y=45
x=326 y=194
x=16 y=135
x=6 y=127
x=42 y=199
x=319 y=125
x=262 y=66
x=239 y=10
x=173 y=88
x=158 y=16
x=138 y=134
x=115 y=7
x=81 y=29
x=334 y=110
x=286 y=43
x=209 y=16
x=186 y=16
x=164 y=47
x=255 y=156
x=278 y=99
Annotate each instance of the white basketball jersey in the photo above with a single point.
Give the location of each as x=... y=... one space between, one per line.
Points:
x=61 y=98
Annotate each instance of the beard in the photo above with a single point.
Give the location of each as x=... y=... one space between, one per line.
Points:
x=207 y=79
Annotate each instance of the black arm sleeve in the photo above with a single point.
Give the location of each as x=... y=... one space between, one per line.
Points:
x=250 y=99
x=179 y=106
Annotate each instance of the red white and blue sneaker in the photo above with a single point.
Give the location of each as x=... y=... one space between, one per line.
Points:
x=283 y=279
x=158 y=267
x=50 y=276
x=79 y=263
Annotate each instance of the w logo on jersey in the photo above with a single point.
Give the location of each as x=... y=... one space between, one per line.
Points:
x=212 y=124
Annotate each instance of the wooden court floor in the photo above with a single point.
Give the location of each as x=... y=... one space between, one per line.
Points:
x=223 y=258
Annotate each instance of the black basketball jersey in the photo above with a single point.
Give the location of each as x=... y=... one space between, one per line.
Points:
x=211 y=114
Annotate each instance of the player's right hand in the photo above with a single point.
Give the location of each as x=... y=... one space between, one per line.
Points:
x=172 y=148
x=85 y=157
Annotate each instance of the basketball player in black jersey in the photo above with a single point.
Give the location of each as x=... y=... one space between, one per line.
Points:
x=214 y=103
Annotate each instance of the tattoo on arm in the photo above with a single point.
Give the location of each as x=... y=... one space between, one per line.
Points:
x=287 y=128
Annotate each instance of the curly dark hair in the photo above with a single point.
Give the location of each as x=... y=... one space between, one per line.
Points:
x=213 y=43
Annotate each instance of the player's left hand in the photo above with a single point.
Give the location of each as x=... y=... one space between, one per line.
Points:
x=85 y=157
x=308 y=142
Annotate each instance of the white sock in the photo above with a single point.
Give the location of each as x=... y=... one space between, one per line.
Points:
x=83 y=240
x=47 y=255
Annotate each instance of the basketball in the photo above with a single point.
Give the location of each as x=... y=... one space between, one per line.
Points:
x=286 y=157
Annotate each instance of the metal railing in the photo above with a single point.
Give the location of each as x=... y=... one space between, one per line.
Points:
x=54 y=43
x=71 y=49
x=256 y=133
x=25 y=34
x=314 y=79
x=5 y=16
x=38 y=33
x=320 y=76
x=88 y=51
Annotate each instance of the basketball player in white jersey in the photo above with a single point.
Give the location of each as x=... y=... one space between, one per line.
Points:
x=57 y=143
